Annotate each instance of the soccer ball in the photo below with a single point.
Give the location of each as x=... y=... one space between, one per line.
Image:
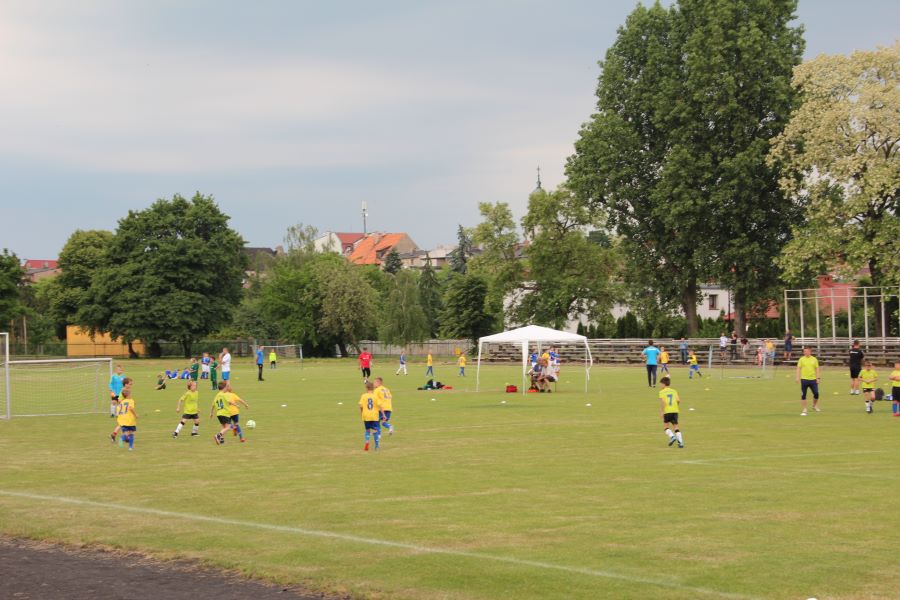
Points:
x=251 y=424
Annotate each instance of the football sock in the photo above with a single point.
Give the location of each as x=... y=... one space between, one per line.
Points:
x=367 y=436
x=178 y=427
x=240 y=432
x=131 y=440
x=112 y=408
x=669 y=434
x=678 y=436
x=377 y=439
x=195 y=428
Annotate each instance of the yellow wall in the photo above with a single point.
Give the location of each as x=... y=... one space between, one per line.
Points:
x=80 y=344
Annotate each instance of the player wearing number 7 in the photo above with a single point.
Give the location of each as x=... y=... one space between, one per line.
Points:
x=370 y=411
x=669 y=406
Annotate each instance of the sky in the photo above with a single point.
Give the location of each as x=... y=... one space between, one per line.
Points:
x=297 y=111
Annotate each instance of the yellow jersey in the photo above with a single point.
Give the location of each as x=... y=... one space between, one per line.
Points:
x=771 y=346
x=462 y=360
x=428 y=361
x=383 y=398
x=692 y=359
x=233 y=408
x=868 y=377
x=369 y=405
x=808 y=366
x=670 y=400
x=190 y=403
x=220 y=403
x=895 y=378
x=664 y=358
x=272 y=357
x=125 y=416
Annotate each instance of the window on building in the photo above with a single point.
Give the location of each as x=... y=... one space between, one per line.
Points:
x=713 y=301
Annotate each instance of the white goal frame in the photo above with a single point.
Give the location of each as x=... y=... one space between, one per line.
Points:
x=47 y=361
x=299 y=348
x=765 y=371
x=8 y=413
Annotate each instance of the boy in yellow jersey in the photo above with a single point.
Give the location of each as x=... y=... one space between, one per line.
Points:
x=126 y=417
x=221 y=409
x=190 y=401
x=867 y=378
x=126 y=385
x=461 y=361
x=895 y=388
x=693 y=365
x=235 y=411
x=668 y=408
x=429 y=363
x=808 y=375
x=369 y=410
x=663 y=361
x=385 y=404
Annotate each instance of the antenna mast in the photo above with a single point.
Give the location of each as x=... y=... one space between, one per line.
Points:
x=365 y=214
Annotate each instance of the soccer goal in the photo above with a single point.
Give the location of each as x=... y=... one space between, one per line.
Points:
x=749 y=364
x=69 y=386
x=285 y=354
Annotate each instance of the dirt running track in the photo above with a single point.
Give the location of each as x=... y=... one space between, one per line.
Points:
x=39 y=571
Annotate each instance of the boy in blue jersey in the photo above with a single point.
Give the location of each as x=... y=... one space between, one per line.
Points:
x=651 y=354
x=115 y=388
x=402 y=364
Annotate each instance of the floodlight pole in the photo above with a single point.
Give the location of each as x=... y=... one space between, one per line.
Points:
x=883 y=331
x=833 y=323
x=6 y=375
x=849 y=314
x=818 y=333
x=866 y=315
x=802 y=324
x=787 y=322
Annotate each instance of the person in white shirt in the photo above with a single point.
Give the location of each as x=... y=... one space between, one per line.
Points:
x=225 y=364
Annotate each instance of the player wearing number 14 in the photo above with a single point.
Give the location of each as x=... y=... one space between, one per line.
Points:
x=669 y=407
x=370 y=410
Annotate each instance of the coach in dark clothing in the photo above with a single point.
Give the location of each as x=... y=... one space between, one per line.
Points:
x=856 y=360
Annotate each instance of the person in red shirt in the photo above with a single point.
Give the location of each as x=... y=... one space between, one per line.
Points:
x=365 y=363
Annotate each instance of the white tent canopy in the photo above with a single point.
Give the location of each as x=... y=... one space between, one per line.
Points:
x=534 y=334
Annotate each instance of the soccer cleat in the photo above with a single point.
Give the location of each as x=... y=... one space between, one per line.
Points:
x=219 y=439
x=817 y=409
x=672 y=440
x=680 y=445
x=130 y=449
x=243 y=440
x=391 y=431
x=195 y=434
x=803 y=414
x=174 y=434
x=366 y=447
x=112 y=437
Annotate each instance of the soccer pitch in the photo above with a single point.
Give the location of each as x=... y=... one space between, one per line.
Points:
x=540 y=497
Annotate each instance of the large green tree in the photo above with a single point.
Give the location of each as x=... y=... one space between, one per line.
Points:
x=687 y=98
x=497 y=262
x=431 y=294
x=465 y=314
x=82 y=256
x=174 y=272
x=12 y=282
x=404 y=320
x=569 y=275
x=841 y=153
x=348 y=301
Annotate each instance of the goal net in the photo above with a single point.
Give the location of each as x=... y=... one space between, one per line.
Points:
x=750 y=362
x=58 y=387
x=285 y=354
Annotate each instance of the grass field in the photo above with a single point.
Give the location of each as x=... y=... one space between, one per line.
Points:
x=541 y=497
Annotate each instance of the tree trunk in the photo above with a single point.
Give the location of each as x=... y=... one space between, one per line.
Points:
x=343 y=348
x=689 y=306
x=740 y=312
x=186 y=346
x=131 y=352
x=154 y=350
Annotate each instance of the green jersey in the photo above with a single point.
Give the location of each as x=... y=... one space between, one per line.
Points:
x=195 y=371
x=212 y=370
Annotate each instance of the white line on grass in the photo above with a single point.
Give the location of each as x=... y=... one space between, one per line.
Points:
x=376 y=542
x=754 y=457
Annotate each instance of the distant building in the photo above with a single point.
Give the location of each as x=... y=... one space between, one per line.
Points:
x=342 y=243
x=374 y=248
x=440 y=257
x=37 y=269
x=258 y=260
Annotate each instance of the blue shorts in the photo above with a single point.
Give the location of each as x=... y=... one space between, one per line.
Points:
x=127 y=428
x=226 y=375
x=235 y=418
x=809 y=384
x=387 y=415
x=695 y=368
x=376 y=425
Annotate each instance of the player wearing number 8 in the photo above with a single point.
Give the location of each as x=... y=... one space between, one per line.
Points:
x=669 y=408
x=370 y=411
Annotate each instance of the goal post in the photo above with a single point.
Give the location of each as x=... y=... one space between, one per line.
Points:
x=7 y=411
x=52 y=387
x=753 y=362
x=284 y=353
